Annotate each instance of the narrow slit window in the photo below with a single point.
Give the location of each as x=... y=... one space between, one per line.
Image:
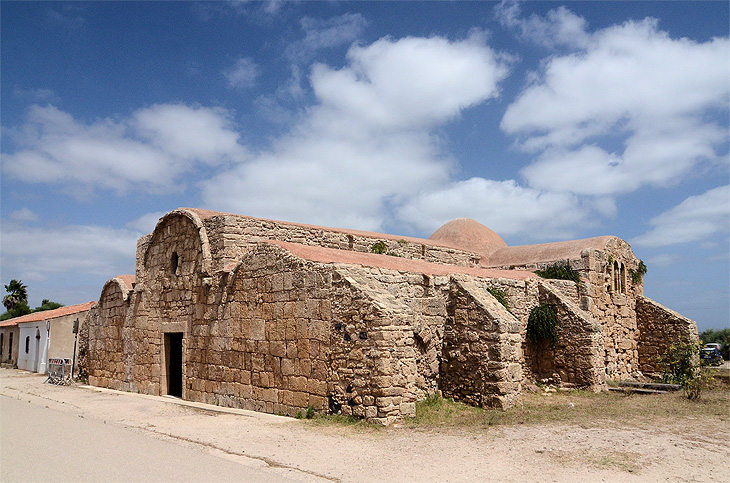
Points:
x=174 y=263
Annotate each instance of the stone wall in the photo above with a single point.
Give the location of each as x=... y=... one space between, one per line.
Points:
x=231 y=236
x=481 y=349
x=659 y=327
x=264 y=329
x=102 y=338
x=609 y=295
x=577 y=357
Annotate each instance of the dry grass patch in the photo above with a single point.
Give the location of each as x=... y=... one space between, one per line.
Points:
x=582 y=408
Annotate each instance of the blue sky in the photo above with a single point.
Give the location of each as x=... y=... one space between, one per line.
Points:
x=545 y=121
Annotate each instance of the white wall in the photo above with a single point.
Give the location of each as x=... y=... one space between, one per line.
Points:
x=37 y=348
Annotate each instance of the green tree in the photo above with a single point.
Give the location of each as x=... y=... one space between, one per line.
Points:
x=20 y=309
x=17 y=294
x=47 y=305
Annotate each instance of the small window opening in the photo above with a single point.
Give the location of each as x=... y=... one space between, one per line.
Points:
x=616 y=284
x=350 y=241
x=10 y=346
x=623 y=278
x=174 y=262
x=27 y=344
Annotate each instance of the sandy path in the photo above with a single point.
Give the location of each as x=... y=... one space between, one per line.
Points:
x=699 y=452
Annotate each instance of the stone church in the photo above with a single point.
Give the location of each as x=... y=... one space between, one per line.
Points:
x=279 y=317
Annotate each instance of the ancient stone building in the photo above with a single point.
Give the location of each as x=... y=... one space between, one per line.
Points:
x=278 y=317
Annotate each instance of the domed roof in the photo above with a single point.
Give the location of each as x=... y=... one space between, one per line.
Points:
x=468 y=234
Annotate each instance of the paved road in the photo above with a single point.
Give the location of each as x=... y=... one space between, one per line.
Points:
x=40 y=443
x=66 y=433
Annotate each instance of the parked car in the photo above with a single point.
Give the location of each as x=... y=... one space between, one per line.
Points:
x=711 y=356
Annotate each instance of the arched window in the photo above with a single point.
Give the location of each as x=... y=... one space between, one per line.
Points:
x=616 y=284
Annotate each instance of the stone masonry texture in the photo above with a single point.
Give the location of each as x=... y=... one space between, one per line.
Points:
x=280 y=317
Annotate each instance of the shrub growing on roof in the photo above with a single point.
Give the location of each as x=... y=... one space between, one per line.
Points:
x=559 y=271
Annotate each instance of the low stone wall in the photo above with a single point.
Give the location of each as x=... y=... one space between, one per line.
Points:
x=659 y=327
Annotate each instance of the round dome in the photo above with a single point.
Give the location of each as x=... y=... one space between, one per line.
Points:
x=468 y=234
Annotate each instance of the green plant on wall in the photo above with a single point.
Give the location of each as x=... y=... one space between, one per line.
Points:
x=637 y=276
x=379 y=247
x=542 y=324
x=559 y=271
x=501 y=297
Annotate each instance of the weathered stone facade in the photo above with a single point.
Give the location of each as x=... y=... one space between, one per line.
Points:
x=279 y=317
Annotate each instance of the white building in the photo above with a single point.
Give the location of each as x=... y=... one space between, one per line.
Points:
x=47 y=334
x=34 y=340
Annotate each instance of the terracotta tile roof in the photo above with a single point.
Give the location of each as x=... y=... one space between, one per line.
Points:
x=48 y=314
x=333 y=255
x=545 y=252
x=129 y=280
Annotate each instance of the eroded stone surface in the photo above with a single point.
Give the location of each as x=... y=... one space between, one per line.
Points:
x=279 y=317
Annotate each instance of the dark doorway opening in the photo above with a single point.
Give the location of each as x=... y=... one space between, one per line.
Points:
x=174 y=366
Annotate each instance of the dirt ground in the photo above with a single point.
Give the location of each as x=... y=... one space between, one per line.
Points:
x=673 y=451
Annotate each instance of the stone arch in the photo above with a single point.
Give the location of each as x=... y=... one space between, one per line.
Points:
x=206 y=258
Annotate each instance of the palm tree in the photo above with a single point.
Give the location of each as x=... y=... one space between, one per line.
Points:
x=17 y=294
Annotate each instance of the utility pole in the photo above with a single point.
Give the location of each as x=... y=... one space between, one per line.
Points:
x=76 y=335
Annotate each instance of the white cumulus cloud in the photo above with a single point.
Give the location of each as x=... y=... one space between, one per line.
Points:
x=149 y=150
x=632 y=107
x=242 y=74
x=695 y=219
x=503 y=206
x=560 y=27
x=42 y=252
x=368 y=142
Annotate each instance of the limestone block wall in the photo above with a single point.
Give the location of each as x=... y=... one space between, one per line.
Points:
x=289 y=334
x=659 y=327
x=102 y=338
x=578 y=356
x=426 y=298
x=373 y=362
x=481 y=350
x=231 y=236
x=609 y=295
x=170 y=295
x=265 y=347
x=613 y=297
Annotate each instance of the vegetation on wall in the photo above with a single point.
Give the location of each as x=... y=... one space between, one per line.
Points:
x=542 y=324
x=379 y=247
x=637 y=276
x=501 y=297
x=559 y=271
